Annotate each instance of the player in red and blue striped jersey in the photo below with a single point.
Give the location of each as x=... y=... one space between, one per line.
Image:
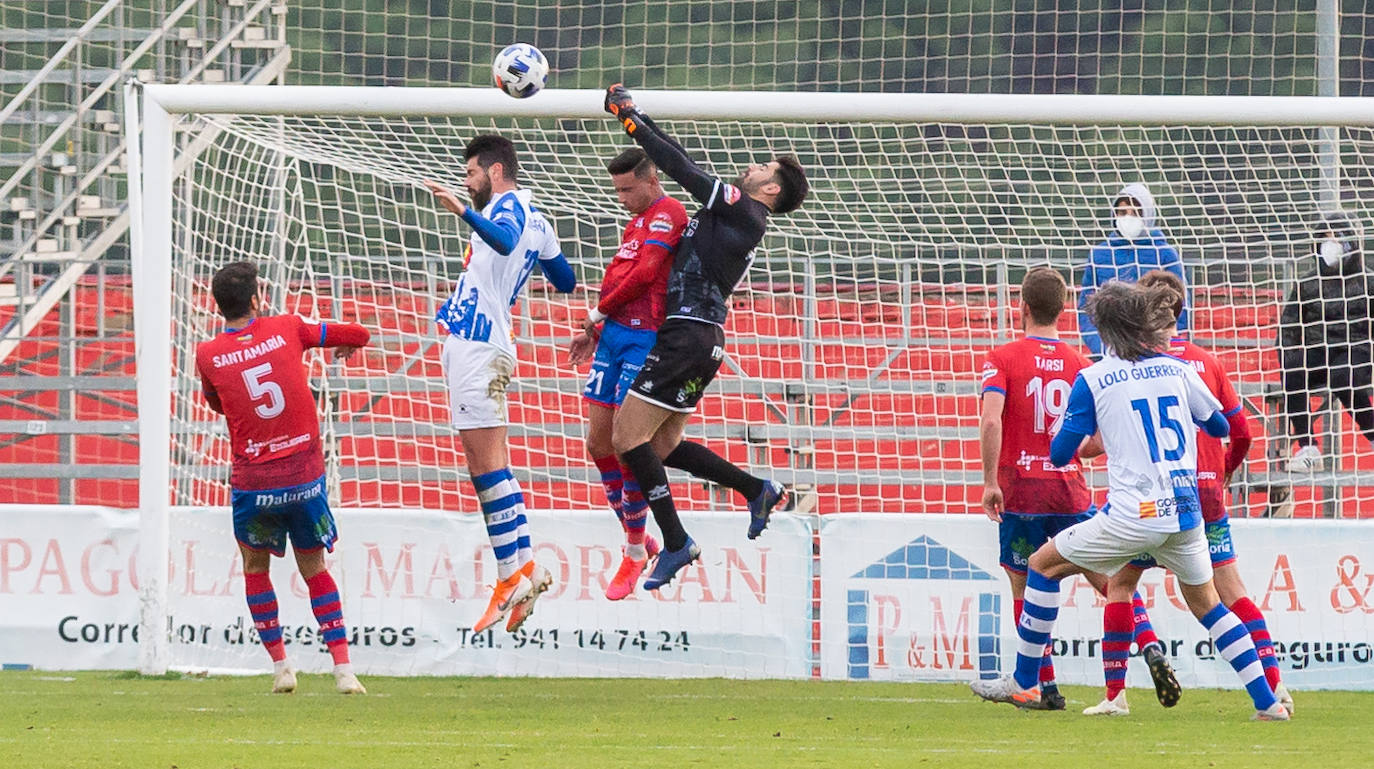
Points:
x=1025 y=391
x=617 y=336
x=1215 y=464
x=252 y=374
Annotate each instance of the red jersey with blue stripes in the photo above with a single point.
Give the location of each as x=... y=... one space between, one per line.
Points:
x=1211 y=456
x=255 y=377
x=1035 y=374
x=632 y=292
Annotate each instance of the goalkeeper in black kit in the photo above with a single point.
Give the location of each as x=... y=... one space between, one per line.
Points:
x=711 y=260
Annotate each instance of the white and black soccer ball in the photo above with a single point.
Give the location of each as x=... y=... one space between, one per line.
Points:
x=520 y=70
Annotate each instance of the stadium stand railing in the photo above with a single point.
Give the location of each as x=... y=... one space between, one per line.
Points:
x=785 y=408
x=65 y=373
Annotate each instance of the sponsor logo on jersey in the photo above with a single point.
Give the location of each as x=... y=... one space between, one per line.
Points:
x=731 y=194
x=989 y=371
x=467 y=256
x=1149 y=510
x=661 y=223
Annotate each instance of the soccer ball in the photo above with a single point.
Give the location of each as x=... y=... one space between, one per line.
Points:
x=520 y=70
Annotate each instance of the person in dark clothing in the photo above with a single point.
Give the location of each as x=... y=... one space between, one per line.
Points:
x=712 y=258
x=1324 y=337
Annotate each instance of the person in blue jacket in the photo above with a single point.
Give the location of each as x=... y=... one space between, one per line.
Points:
x=1134 y=247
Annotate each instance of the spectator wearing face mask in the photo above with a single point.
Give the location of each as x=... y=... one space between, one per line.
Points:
x=1324 y=337
x=1134 y=247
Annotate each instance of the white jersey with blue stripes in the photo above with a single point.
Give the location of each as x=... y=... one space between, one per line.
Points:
x=491 y=283
x=1146 y=411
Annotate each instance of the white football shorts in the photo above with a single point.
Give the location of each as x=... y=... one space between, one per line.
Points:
x=477 y=374
x=1105 y=543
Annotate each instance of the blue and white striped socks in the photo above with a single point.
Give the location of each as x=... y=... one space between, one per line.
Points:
x=1038 y=613
x=1232 y=641
x=503 y=509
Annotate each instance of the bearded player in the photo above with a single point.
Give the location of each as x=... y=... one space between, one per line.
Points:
x=253 y=375
x=622 y=328
x=510 y=237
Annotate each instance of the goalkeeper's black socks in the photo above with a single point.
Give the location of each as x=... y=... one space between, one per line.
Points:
x=653 y=482
x=707 y=464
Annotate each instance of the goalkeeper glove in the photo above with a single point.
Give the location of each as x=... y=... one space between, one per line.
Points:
x=622 y=107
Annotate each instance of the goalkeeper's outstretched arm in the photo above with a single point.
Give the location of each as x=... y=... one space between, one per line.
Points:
x=667 y=154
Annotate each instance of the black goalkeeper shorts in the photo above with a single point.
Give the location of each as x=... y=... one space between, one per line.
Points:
x=685 y=358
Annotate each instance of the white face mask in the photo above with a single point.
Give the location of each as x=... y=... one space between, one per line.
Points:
x=1331 y=252
x=1130 y=227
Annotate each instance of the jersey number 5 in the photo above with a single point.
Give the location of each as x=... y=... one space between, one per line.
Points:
x=1051 y=399
x=258 y=389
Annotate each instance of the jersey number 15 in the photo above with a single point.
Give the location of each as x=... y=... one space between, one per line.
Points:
x=1163 y=404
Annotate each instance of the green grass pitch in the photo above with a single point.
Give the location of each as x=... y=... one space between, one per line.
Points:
x=102 y=719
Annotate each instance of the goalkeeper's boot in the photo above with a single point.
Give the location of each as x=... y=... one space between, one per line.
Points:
x=345 y=682
x=1005 y=689
x=283 y=679
x=761 y=507
x=1275 y=712
x=1285 y=699
x=540 y=579
x=1166 y=685
x=1112 y=707
x=504 y=595
x=669 y=563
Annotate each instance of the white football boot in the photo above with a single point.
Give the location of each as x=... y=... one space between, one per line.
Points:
x=1114 y=707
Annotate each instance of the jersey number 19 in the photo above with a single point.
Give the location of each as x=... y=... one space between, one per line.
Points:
x=1051 y=399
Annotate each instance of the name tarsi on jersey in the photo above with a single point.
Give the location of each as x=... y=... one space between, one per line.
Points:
x=1035 y=375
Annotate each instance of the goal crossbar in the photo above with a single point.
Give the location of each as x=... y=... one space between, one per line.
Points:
x=1064 y=109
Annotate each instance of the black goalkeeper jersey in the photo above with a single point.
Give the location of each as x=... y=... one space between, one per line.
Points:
x=718 y=245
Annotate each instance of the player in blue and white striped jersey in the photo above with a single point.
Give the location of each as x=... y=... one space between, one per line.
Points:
x=1142 y=401
x=510 y=237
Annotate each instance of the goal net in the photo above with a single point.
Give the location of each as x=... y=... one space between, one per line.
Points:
x=852 y=357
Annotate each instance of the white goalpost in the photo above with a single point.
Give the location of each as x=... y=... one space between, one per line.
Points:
x=851 y=372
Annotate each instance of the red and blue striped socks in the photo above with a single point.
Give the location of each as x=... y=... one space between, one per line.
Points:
x=634 y=516
x=1117 y=624
x=324 y=602
x=262 y=606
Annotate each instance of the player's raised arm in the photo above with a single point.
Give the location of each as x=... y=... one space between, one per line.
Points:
x=667 y=154
x=553 y=264
x=345 y=338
